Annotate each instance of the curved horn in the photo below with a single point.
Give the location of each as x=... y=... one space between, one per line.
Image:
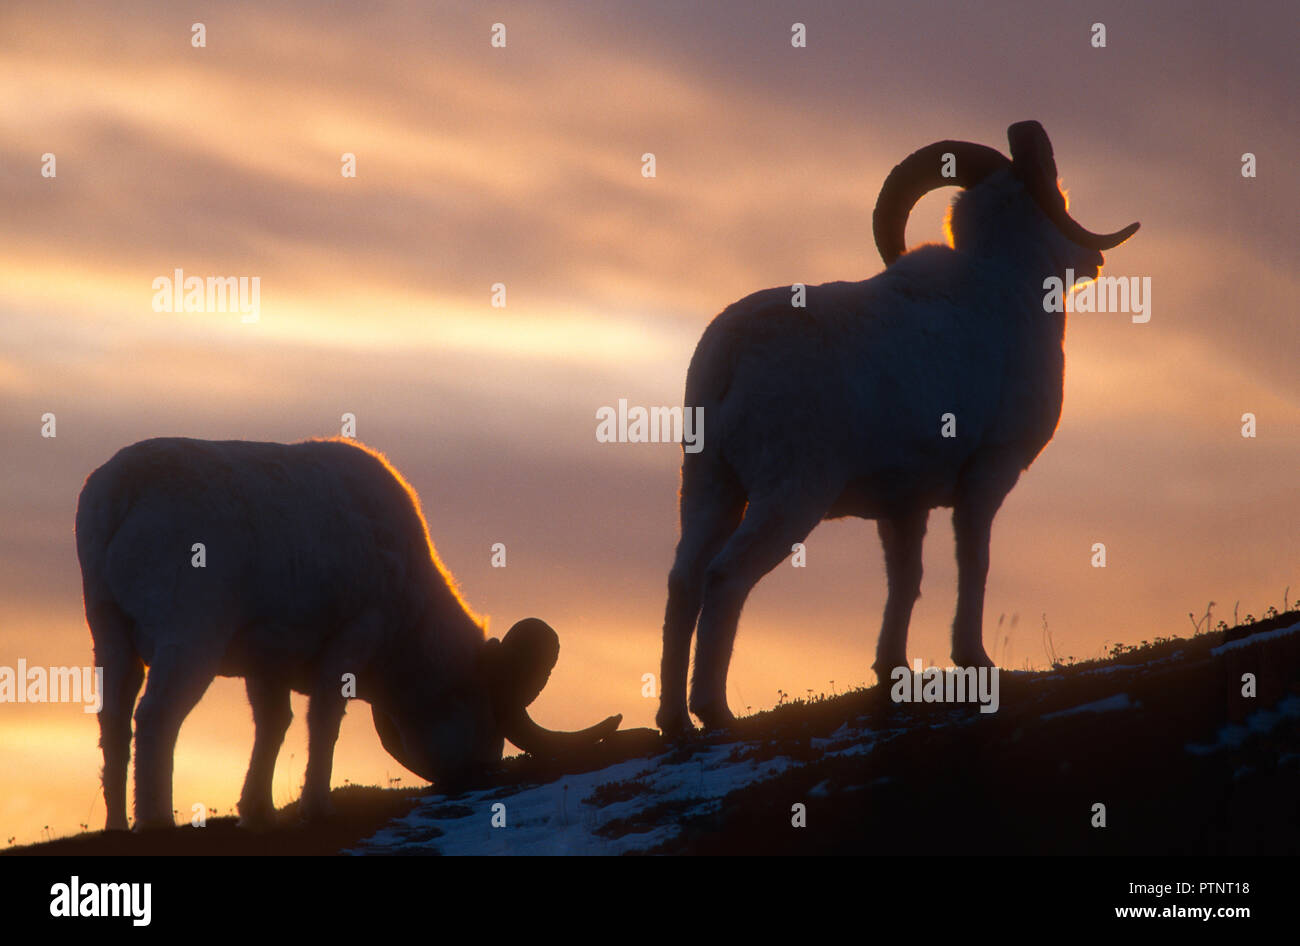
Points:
x=536 y=740
x=917 y=175
x=1033 y=163
x=521 y=663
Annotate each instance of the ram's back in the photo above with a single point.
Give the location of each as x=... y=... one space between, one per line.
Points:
x=860 y=378
x=297 y=540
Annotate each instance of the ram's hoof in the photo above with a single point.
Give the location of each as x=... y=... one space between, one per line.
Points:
x=973 y=659
x=886 y=665
x=716 y=718
x=158 y=823
x=674 y=724
x=256 y=819
x=316 y=811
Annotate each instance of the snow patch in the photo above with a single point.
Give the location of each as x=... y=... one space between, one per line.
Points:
x=556 y=818
x=1120 y=701
x=1255 y=639
x=1234 y=735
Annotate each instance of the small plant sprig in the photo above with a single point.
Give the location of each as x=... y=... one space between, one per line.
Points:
x=1049 y=646
x=1203 y=624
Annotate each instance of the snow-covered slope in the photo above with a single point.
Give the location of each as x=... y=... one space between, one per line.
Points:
x=627 y=808
x=1172 y=720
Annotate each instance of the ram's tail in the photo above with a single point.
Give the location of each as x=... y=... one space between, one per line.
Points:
x=712 y=366
x=708 y=478
x=106 y=499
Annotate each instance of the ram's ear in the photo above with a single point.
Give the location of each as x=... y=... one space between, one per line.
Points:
x=517 y=668
x=1031 y=155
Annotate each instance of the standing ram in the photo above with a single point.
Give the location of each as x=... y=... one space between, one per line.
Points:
x=316 y=564
x=838 y=408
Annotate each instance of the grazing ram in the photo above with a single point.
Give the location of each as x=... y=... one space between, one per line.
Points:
x=316 y=563
x=839 y=408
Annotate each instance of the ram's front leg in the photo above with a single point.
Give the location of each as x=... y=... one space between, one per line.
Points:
x=344 y=664
x=902 y=537
x=978 y=500
x=324 y=716
x=271 y=717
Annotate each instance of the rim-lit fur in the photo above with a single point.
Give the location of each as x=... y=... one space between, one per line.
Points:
x=318 y=565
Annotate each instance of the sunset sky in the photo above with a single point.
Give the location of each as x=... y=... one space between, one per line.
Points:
x=478 y=165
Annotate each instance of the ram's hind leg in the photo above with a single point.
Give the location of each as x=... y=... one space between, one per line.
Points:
x=712 y=505
x=271 y=717
x=123 y=675
x=902 y=537
x=177 y=680
x=771 y=526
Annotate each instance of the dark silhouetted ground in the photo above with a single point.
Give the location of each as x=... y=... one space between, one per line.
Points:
x=1162 y=736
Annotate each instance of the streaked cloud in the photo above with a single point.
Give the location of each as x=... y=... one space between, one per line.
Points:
x=522 y=166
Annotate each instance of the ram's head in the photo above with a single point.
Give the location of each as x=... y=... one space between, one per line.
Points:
x=448 y=734
x=1006 y=200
